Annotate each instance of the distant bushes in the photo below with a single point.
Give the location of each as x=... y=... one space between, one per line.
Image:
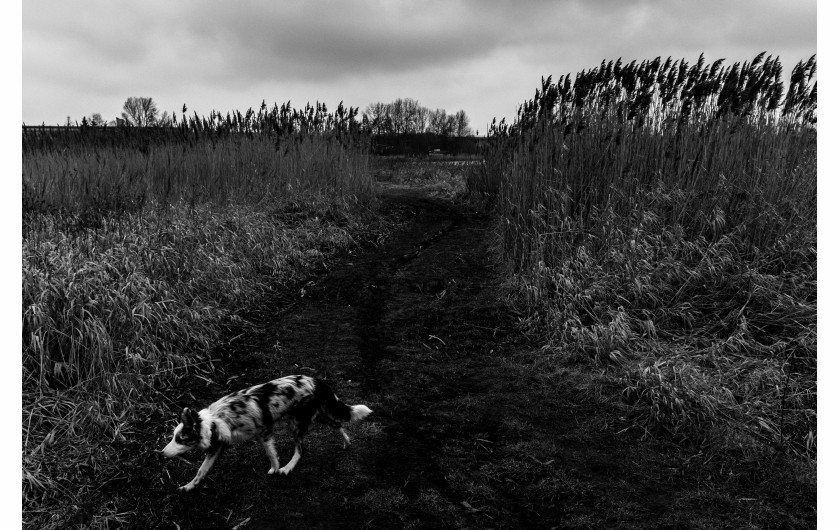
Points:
x=421 y=144
x=661 y=217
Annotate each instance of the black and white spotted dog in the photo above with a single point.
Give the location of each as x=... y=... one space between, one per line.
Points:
x=252 y=413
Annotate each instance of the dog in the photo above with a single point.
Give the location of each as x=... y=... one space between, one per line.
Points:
x=252 y=413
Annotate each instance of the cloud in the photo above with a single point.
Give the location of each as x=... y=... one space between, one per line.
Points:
x=478 y=55
x=293 y=41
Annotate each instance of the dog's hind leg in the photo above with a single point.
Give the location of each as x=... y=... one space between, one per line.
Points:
x=346 y=438
x=271 y=451
x=209 y=460
x=326 y=420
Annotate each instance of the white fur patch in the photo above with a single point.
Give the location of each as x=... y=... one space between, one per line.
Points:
x=359 y=412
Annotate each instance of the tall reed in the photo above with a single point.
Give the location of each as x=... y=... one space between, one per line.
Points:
x=258 y=156
x=661 y=216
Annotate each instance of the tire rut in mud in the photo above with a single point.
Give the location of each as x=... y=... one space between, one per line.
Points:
x=392 y=297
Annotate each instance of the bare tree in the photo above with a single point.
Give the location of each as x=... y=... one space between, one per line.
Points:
x=437 y=121
x=406 y=115
x=377 y=115
x=166 y=119
x=422 y=119
x=462 y=124
x=140 y=112
x=96 y=120
x=450 y=125
x=396 y=114
x=412 y=116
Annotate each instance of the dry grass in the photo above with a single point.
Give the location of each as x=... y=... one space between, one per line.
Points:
x=112 y=315
x=138 y=259
x=661 y=222
x=443 y=179
x=92 y=180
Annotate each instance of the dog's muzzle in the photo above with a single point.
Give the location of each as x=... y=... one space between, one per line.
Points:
x=174 y=449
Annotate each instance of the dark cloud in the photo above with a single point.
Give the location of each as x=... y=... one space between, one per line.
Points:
x=484 y=56
x=298 y=42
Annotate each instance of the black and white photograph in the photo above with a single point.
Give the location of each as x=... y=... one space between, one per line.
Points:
x=389 y=264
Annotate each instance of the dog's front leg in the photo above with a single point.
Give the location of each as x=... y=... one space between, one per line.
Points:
x=209 y=460
x=285 y=470
x=271 y=451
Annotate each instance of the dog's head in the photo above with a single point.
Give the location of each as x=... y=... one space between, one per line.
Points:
x=187 y=435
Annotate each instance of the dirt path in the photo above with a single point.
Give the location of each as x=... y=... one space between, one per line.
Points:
x=466 y=432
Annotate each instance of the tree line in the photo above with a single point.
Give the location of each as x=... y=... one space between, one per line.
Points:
x=137 y=112
x=399 y=117
x=408 y=116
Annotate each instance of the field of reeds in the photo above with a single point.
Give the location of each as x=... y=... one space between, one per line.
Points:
x=660 y=219
x=140 y=250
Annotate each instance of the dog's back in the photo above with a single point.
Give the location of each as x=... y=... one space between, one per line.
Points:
x=253 y=411
x=298 y=398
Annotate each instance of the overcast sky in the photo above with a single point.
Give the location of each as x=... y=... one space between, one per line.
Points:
x=482 y=56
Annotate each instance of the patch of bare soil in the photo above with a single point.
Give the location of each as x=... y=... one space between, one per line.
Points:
x=466 y=432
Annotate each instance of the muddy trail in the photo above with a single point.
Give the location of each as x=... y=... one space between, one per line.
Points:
x=466 y=432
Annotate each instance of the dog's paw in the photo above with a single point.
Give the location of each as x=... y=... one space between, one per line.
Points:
x=186 y=488
x=273 y=471
x=284 y=471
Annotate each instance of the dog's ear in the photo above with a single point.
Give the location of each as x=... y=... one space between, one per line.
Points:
x=187 y=418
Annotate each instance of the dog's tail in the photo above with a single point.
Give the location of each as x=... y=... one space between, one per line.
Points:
x=335 y=409
x=359 y=412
